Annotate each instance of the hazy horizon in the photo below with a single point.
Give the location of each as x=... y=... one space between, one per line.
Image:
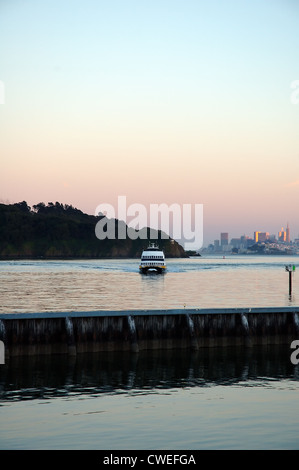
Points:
x=166 y=102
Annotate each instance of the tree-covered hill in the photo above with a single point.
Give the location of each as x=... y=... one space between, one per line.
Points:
x=59 y=230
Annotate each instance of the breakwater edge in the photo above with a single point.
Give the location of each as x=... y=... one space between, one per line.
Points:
x=79 y=332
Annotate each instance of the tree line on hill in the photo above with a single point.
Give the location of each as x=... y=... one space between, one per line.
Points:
x=58 y=230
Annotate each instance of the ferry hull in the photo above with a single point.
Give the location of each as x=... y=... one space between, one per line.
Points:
x=149 y=269
x=152 y=260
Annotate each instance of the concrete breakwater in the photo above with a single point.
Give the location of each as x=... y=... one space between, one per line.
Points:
x=79 y=332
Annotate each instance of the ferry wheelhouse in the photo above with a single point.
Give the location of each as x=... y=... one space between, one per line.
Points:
x=152 y=259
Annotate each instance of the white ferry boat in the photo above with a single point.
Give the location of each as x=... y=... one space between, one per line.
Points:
x=152 y=259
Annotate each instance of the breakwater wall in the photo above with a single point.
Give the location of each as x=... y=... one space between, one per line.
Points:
x=81 y=332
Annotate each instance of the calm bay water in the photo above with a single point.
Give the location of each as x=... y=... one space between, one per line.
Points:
x=232 y=398
x=248 y=281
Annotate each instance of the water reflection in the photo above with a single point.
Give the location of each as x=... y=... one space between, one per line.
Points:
x=28 y=378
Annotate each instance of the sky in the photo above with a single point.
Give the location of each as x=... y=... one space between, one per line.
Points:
x=164 y=102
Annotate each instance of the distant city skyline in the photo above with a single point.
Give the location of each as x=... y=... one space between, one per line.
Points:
x=283 y=236
x=165 y=102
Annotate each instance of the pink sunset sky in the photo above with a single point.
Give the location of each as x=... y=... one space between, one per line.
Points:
x=164 y=102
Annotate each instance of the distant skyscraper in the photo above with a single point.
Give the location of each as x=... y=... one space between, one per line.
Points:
x=282 y=236
x=261 y=236
x=224 y=239
x=288 y=238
